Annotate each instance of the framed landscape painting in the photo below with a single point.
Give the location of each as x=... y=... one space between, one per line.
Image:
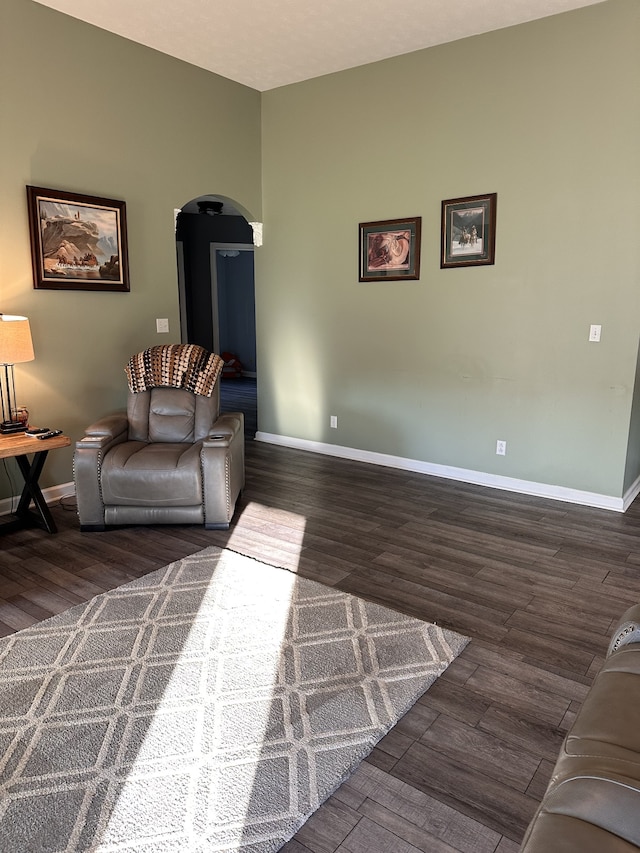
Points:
x=78 y=242
x=390 y=249
x=468 y=231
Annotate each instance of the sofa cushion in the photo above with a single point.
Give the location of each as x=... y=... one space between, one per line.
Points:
x=553 y=833
x=158 y=474
x=592 y=802
x=605 y=737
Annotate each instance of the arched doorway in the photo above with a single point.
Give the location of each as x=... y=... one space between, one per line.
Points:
x=215 y=242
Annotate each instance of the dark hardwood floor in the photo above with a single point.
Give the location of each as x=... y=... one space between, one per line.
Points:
x=536 y=584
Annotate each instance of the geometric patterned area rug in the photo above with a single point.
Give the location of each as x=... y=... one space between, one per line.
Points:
x=211 y=705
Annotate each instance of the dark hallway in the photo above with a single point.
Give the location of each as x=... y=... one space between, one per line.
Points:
x=239 y=395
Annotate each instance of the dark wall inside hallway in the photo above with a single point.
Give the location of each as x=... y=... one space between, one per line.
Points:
x=196 y=232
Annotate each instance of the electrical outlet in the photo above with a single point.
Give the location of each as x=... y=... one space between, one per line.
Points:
x=501 y=447
x=333 y=422
x=162 y=326
x=594 y=333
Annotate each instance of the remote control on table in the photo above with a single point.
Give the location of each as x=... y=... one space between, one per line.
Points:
x=36 y=430
x=50 y=434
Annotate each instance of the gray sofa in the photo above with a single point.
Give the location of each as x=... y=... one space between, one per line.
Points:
x=592 y=803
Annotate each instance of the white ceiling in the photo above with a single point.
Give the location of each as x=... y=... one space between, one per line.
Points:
x=268 y=43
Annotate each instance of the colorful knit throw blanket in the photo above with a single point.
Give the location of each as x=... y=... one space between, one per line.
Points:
x=187 y=366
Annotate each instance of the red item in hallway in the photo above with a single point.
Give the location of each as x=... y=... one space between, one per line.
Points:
x=232 y=366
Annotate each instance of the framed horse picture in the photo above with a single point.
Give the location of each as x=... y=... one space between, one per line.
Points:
x=469 y=231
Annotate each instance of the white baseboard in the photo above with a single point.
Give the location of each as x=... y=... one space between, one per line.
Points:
x=479 y=478
x=51 y=495
x=631 y=494
x=510 y=484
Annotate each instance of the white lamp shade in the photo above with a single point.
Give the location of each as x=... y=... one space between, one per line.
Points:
x=15 y=339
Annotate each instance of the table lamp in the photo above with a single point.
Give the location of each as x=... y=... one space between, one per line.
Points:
x=15 y=346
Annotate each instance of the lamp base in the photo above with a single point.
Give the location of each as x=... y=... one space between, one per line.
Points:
x=7 y=427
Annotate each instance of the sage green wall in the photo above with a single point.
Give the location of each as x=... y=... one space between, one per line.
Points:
x=547 y=115
x=84 y=110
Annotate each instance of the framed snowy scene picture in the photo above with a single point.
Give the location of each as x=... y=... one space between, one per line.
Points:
x=468 y=231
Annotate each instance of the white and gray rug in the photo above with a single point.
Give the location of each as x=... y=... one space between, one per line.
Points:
x=212 y=705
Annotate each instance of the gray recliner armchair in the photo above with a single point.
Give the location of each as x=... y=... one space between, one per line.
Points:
x=171 y=458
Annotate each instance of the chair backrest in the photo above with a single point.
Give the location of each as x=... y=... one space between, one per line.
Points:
x=171 y=415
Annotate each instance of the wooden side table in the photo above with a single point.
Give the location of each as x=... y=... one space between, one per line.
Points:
x=18 y=446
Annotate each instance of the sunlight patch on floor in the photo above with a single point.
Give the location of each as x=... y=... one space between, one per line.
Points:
x=213 y=705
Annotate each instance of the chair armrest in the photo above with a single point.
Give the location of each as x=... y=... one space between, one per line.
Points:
x=222 y=459
x=225 y=430
x=626 y=631
x=87 y=460
x=110 y=429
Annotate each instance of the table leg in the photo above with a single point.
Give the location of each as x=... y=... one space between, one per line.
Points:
x=31 y=491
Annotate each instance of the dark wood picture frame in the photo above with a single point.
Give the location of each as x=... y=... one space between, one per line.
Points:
x=469 y=231
x=78 y=242
x=390 y=249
